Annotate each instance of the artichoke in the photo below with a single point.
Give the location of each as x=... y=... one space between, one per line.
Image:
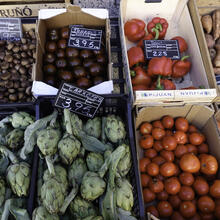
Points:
x=68 y=147
x=93 y=127
x=92 y=186
x=114 y=129
x=80 y=208
x=124 y=164
x=94 y=161
x=124 y=195
x=15 y=138
x=18 y=176
x=52 y=195
x=60 y=176
x=77 y=170
x=21 y=120
x=41 y=213
x=47 y=140
x=93 y=218
x=2 y=191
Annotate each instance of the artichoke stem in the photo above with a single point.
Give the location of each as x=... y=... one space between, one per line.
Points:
x=50 y=165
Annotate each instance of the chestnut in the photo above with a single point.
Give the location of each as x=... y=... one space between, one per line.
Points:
x=51 y=46
x=95 y=69
x=72 y=52
x=83 y=83
x=97 y=80
x=64 y=32
x=49 y=58
x=61 y=63
x=50 y=80
x=60 y=53
x=74 y=61
x=49 y=69
x=100 y=58
x=65 y=75
x=53 y=34
x=97 y=52
x=88 y=62
x=86 y=54
x=62 y=44
x=79 y=72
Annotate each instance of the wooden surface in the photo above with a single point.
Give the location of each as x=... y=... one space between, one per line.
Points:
x=208 y=3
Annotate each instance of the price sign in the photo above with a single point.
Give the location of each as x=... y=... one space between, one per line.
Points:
x=85 y=38
x=10 y=29
x=78 y=100
x=159 y=48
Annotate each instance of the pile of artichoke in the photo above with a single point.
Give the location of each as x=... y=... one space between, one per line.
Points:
x=83 y=169
x=15 y=173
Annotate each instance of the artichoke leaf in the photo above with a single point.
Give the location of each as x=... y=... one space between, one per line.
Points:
x=30 y=134
x=125 y=215
x=4 y=163
x=103 y=136
x=4 y=121
x=7 y=153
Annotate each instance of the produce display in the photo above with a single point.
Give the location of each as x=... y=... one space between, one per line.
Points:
x=84 y=168
x=178 y=174
x=16 y=60
x=159 y=73
x=15 y=173
x=82 y=67
x=211 y=26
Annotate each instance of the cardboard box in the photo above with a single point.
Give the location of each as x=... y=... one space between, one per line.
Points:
x=179 y=16
x=200 y=116
x=206 y=7
x=20 y=8
x=73 y=15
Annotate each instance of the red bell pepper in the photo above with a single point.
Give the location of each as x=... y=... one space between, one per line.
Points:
x=148 y=37
x=140 y=77
x=135 y=56
x=163 y=84
x=160 y=24
x=182 y=43
x=160 y=66
x=134 y=29
x=181 y=67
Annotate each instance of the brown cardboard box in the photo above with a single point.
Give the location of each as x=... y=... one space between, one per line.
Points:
x=206 y=7
x=73 y=15
x=179 y=16
x=200 y=116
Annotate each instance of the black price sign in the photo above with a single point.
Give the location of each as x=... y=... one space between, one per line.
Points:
x=85 y=38
x=10 y=29
x=159 y=48
x=78 y=100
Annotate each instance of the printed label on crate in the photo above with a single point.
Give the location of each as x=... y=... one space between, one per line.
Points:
x=85 y=38
x=78 y=100
x=159 y=48
x=10 y=29
x=166 y=95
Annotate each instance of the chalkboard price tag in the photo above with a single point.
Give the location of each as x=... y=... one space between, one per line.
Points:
x=159 y=48
x=85 y=38
x=10 y=29
x=78 y=100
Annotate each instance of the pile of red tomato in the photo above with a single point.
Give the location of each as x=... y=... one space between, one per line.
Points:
x=178 y=175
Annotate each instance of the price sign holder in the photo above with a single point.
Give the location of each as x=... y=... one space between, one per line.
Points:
x=85 y=38
x=78 y=100
x=10 y=29
x=159 y=48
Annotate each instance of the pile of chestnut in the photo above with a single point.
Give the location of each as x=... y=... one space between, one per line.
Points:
x=178 y=175
x=81 y=67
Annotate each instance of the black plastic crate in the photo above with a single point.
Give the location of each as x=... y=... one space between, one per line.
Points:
x=31 y=108
x=112 y=104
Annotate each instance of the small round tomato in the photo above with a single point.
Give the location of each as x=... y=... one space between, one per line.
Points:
x=186 y=179
x=143 y=162
x=146 y=141
x=167 y=169
x=215 y=189
x=192 y=148
x=150 y=153
x=181 y=124
x=169 y=143
x=146 y=128
x=177 y=216
x=196 y=138
x=206 y=204
x=175 y=201
x=156 y=185
x=168 y=122
x=148 y=195
x=201 y=186
x=167 y=155
x=196 y=217
x=217 y=211
x=157 y=124
x=145 y=179
x=203 y=148
x=158 y=133
x=187 y=209
x=153 y=210
x=180 y=150
x=165 y=209
x=168 y=132
x=162 y=196
x=172 y=185
x=186 y=193
x=192 y=128
x=189 y=163
x=152 y=169
x=181 y=137
x=158 y=146
x=158 y=160
x=207 y=216
x=209 y=164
